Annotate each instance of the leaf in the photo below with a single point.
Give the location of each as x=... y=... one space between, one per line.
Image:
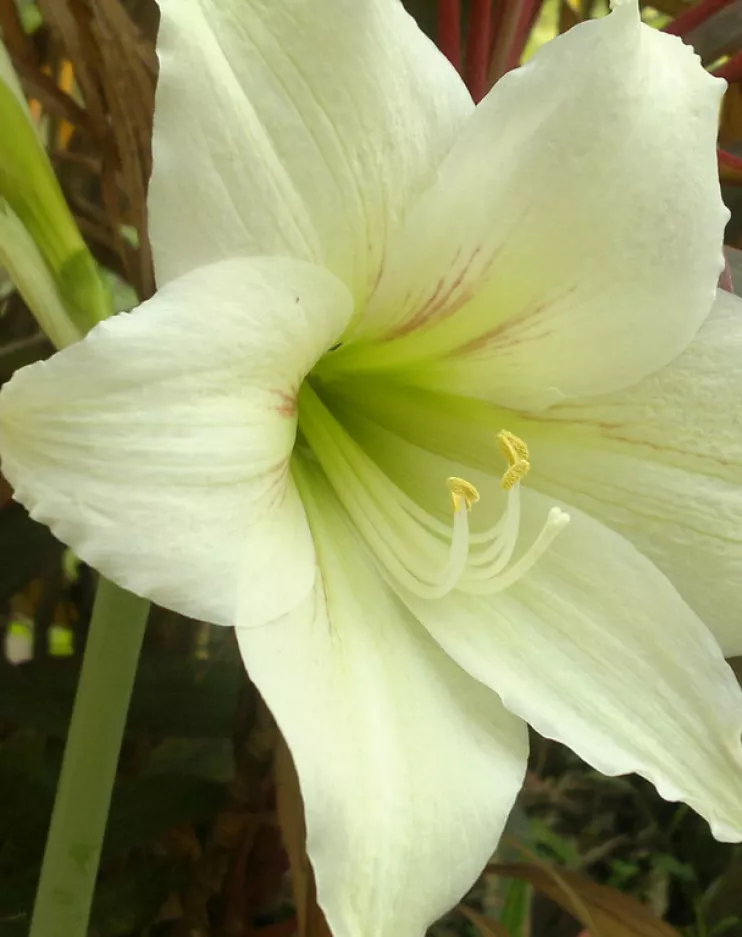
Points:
x=130 y=899
x=603 y=910
x=211 y=759
x=183 y=698
x=115 y=69
x=22 y=352
x=147 y=806
x=25 y=547
x=290 y=810
x=487 y=926
x=721 y=904
x=516 y=908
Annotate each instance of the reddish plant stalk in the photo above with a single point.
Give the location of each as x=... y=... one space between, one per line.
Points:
x=514 y=24
x=729 y=160
x=695 y=16
x=449 y=31
x=731 y=70
x=478 y=43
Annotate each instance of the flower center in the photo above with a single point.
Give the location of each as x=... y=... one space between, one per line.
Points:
x=414 y=549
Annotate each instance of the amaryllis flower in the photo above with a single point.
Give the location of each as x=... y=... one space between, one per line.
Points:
x=438 y=407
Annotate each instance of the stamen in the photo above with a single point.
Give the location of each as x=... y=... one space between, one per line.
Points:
x=401 y=545
x=556 y=521
x=501 y=542
x=416 y=550
x=438 y=584
x=462 y=493
x=516 y=453
x=487 y=571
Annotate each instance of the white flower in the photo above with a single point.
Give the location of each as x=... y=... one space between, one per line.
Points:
x=363 y=280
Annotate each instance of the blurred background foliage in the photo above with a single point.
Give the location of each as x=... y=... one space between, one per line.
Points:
x=206 y=832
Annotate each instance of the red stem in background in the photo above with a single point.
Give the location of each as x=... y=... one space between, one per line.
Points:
x=695 y=16
x=729 y=160
x=514 y=23
x=527 y=12
x=731 y=70
x=478 y=47
x=449 y=31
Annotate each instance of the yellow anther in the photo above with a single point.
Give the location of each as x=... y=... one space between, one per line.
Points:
x=462 y=493
x=516 y=453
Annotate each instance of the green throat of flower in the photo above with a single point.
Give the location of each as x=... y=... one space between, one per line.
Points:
x=417 y=551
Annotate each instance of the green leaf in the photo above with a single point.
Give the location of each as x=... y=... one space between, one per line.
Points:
x=172 y=697
x=19 y=354
x=25 y=547
x=212 y=759
x=147 y=806
x=130 y=899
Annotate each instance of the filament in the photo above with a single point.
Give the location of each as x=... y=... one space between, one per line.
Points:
x=416 y=551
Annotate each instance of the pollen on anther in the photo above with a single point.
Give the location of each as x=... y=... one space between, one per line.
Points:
x=516 y=452
x=462 y=493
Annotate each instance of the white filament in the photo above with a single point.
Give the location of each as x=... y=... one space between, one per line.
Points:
x=414 y=549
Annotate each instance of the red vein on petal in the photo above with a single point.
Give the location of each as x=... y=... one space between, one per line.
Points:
x=288 y=403
x=695 y=16
x=449 y=31
x=446 y=298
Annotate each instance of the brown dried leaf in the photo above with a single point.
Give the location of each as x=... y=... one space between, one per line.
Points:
x=55 y=102
x=72 y=34
x=568 y=17
x=290 y=809
x=115 y=68
x=487 y=926
x=603 y=910
x=18 y=44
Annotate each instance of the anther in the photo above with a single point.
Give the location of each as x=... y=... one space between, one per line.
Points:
x=516 y=453
x=462 y=493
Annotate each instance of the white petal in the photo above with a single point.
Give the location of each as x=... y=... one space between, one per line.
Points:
x=300 y=127
x=408 y=768
x=661 y=462
x=572 y=241
x=596 y=649
x=158 y=448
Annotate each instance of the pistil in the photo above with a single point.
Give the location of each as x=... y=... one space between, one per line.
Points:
x=415 y=551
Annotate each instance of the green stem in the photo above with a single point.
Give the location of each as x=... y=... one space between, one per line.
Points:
x=91 y=755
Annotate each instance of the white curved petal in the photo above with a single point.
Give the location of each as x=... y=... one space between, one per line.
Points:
x=158 y=448
x=594 y=647
x=572 y=241
x=300 y=128
x=408 y=767
x=661 y=463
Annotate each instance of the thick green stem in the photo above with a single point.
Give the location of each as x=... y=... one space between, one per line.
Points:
x=78 y=823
